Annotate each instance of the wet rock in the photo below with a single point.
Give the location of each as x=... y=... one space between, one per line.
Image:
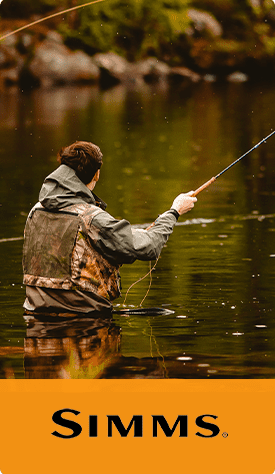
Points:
x=51 y=63
x=237 y=77
x=8 y=57
x=2 y=59
x=10 y=76
x=10 y=41
x=11 y=62
x=149 y=70
x=55 y=37
x=54 y=63
x=26 y=41
x=84 y=67
x=113 y=68
x=205 y=21
x=8 y=53
x=115 y=64
x=209 y=78
x=152 y=70
x=25 y=44
x=178 y=74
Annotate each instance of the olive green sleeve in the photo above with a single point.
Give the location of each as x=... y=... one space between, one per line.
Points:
x=118 y=241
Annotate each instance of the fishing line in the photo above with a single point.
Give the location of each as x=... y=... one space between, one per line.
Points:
x=140 y=279
x=11 y=239
x=195 y=193
x=150 y=283
x=48 y=17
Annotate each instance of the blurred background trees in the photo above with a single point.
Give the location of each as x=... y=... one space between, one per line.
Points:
x=200 y=34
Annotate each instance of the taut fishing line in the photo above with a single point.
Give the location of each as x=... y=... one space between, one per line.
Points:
x=48 y=17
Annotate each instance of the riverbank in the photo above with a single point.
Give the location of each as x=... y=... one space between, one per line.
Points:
x=171 y=46
x=27 y=62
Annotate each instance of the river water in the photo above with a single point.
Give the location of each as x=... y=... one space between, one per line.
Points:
x=217 y=271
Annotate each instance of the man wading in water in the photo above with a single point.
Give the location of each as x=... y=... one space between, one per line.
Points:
x=73 y=248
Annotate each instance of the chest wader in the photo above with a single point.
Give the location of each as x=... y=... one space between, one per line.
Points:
x=59 y=252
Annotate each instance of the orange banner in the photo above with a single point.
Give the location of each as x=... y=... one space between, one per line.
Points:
x=193 y=426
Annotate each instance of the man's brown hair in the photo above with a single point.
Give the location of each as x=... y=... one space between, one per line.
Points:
x=83 y=157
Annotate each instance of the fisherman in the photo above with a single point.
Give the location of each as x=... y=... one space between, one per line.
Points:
x=73 y=248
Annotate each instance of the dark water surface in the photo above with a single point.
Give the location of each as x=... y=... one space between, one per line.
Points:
x=217 y=272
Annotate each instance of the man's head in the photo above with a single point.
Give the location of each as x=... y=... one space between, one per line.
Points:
x=83 y=157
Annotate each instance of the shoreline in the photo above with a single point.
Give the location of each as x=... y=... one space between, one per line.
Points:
x=28 y=63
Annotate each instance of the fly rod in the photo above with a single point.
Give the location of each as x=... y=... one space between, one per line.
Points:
x=210 y=181
x=157 y=311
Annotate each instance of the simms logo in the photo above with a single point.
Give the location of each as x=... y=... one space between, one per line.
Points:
x=210 y=430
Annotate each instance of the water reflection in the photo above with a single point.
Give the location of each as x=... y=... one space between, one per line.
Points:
x=76 y=347
x=217 y=271
x=65 y=348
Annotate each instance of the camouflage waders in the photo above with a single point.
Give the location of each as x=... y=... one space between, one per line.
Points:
x=58 y=252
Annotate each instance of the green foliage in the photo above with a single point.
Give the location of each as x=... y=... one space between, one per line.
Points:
x=134 y=28
x=177 y=21
x=269 y=44
x=138 y=28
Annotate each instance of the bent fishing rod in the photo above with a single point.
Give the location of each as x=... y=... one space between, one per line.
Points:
x=210 y=181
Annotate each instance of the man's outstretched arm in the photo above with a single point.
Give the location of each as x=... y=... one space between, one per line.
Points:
x=119 y=242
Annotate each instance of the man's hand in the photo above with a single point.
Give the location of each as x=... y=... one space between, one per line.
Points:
x=184 y=202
